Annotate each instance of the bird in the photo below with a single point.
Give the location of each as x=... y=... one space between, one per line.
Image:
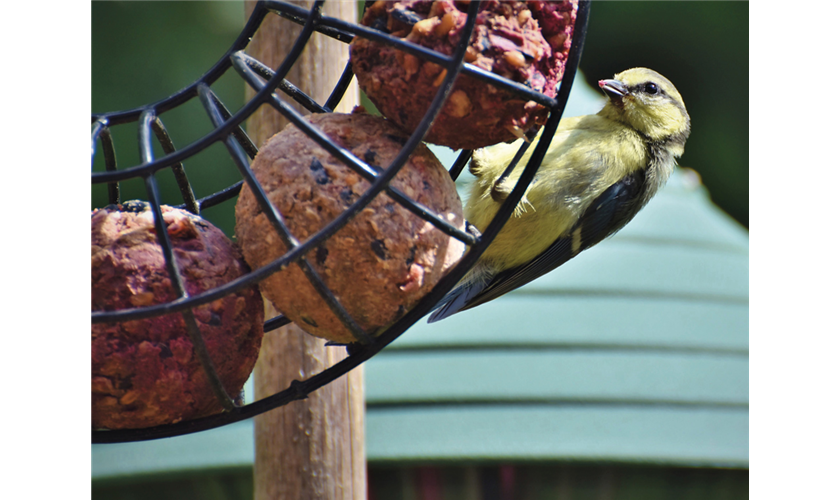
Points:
x=598 y=172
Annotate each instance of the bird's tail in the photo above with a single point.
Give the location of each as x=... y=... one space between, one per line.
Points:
x=459 y=297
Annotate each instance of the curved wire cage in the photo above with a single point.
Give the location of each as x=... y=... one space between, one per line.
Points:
x=227 y=129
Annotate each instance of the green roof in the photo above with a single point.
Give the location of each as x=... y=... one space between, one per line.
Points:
x=634 y=352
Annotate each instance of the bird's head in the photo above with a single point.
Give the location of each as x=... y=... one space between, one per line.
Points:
x=650 y=104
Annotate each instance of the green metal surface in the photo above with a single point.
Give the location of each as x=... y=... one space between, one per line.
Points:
x=228 y=447
x=576 y=320
x=558 y=376
x=652 y=434
x=636 y=351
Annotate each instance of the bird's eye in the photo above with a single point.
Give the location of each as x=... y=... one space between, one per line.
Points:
x=651 y=88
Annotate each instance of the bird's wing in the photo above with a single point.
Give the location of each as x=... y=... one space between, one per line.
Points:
x=606 y=215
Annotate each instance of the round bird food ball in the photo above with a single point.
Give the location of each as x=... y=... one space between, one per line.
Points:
x=384 y=260
x=526 y=42
x=144 y=372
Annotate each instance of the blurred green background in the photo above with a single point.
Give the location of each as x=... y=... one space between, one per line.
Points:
x=145 y=51
x=703 y=48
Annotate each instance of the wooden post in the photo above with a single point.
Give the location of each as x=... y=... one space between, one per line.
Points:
x=311 y=449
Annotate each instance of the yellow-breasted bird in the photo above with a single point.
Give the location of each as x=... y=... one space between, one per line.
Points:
x=598 y=172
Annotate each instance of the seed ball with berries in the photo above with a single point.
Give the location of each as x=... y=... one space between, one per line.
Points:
x=144 y=371
x=384 y=260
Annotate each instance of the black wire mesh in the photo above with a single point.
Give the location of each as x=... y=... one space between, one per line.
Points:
x=227 y=129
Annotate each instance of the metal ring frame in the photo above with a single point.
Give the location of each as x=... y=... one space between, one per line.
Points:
x=227 y=129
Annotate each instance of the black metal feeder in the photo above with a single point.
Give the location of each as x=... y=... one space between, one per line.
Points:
x=227 y=129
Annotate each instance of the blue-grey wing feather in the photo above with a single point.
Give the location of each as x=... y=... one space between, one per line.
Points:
x=607 y=214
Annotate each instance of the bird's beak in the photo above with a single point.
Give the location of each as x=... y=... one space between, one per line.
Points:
x=614 y=89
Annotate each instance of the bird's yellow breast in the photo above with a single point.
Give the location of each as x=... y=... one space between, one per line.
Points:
x=586 y=156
